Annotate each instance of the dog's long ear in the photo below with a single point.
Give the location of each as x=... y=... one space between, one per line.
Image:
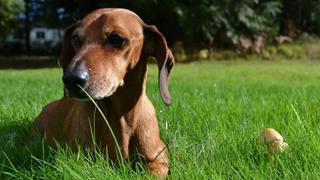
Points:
x=156 y=45
x=67 y=51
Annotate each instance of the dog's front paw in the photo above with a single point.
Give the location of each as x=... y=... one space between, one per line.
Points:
x=159 y=169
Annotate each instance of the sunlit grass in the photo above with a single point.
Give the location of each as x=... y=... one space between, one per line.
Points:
x=218 y=110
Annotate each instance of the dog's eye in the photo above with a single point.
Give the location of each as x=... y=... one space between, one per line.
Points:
x=75 y=39
x=115 y=40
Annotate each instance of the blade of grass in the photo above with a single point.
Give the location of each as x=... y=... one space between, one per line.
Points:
x=107 y=123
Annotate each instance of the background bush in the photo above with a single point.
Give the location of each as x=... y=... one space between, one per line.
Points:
x=196 y=24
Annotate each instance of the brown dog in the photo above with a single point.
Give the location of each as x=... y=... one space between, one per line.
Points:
x=106 y=55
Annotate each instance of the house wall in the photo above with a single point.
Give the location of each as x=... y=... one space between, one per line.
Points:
x=41 y=38
x=48 y=42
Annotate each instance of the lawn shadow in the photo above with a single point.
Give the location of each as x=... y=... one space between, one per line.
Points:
x=19 y=149
x=28 y=62
x=22 y=153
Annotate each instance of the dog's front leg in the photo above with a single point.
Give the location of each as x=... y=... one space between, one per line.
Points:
x=154 y=152
x=150 y=145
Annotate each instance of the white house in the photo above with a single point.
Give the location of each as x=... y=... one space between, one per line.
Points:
x=40 y=39
x=43 y=38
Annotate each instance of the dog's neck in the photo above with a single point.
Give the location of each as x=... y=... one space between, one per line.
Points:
x=127 y=96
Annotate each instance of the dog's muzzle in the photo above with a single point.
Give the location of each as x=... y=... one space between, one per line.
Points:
x=75 y=80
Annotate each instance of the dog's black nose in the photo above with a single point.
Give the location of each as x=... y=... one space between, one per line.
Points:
x=75 y=77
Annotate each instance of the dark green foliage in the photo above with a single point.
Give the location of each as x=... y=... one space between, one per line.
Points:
x=305 y=14
x=202 y=22
x=8 y=10
x=205 y=22
x=196 y=23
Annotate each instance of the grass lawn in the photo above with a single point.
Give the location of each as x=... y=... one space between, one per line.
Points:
x=218 y=111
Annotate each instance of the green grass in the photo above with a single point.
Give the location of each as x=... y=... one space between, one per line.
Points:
x=218 y=111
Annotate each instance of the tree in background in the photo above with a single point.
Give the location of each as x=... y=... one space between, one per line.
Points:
x=195 y=23
x=198 y=23
x=27 y=25
x=9 y=10
x=300 y=16
x=204 y=22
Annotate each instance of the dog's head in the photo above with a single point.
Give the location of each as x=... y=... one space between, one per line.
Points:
x=99 y=50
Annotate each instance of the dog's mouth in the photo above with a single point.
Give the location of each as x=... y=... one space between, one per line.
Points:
x=76 y=92
x=94 y=91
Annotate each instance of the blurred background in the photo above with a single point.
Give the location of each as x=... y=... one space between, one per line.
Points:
x=31 y=30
